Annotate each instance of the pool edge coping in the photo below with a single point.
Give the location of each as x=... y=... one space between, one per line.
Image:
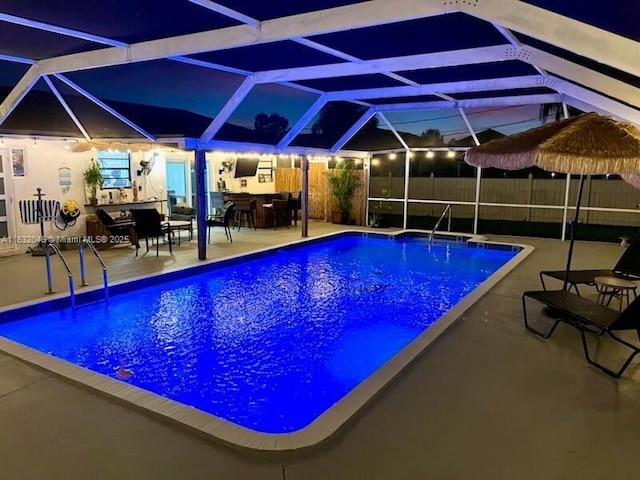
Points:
x=220 y=430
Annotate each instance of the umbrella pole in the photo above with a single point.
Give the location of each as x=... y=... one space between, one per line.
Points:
x=574 y=226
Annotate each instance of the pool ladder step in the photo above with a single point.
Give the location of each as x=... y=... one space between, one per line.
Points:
x=49 y=247
x=93 y=250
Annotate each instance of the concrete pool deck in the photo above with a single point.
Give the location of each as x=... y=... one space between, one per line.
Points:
x=486 y=400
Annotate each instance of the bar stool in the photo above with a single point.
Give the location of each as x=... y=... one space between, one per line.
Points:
x=245 y=208
x=276 y=209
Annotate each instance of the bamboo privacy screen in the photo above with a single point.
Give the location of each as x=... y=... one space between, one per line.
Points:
x=321 y=203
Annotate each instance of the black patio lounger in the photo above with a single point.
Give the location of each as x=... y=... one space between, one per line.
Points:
x=628 y=267
x=588 y=317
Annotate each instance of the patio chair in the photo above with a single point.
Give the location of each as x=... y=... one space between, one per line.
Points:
x=148 y=224
x=588 y=317
x=628 y=267
x=225 y=220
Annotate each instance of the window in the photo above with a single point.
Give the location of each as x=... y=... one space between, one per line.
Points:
x=115 y=168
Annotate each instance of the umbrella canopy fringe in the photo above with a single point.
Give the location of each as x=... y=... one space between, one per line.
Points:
x=567 y=163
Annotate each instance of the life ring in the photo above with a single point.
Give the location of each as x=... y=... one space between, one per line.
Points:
x=70 y=211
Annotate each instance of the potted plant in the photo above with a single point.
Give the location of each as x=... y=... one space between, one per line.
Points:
x=380 y=208
x=342 y=182
x=93 y=180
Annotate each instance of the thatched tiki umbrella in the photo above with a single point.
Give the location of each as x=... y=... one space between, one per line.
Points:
x=586 y=145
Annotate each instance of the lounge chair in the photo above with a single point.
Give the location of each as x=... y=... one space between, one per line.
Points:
x=588 y=317
x=117 y=229
x=628 y=267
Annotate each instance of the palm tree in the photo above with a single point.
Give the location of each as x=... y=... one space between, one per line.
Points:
x=555 y=111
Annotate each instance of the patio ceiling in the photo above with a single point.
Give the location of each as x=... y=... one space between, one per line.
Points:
x=202 y=70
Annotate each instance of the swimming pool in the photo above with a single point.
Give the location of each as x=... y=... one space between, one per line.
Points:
x=273 y=342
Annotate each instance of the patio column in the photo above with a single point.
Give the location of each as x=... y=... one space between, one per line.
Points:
x=304 y=167
x=201 y=202
x=405 y=203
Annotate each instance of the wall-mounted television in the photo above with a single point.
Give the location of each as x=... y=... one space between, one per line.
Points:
x=246 y=167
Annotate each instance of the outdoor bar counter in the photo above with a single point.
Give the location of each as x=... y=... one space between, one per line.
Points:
x=262 y=216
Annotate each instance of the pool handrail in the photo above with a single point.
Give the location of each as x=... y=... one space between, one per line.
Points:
x=52 y=246
x=435 y=227
x=83 y=282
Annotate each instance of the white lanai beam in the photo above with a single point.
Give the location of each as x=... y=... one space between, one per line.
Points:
x=469 y=127
x=14 y=59
x=476 y=207
x=355 y=128
x=228 y=109
x=595 y=99
x=67 y=108
x=381 y=65
x=103 y=105
x=527 y=81
x=585 y=76
x=345 y=56
x=572 y=35
x=302 y=122
x=545 y=61
x=210 y=65
x=393 y=130
x=511 y=38
x=227 y=12
x=25 y=84
x=472 y=103
x=47 y=27
x=365 y=14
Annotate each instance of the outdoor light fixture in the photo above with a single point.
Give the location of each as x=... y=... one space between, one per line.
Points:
x=66 y=144
x=553 y=174
x=35 y=143
x=430 y=154
x=392 y=156
x=375 y=162
x=451 y=154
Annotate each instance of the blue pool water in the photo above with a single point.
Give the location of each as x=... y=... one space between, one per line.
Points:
x=272 y=342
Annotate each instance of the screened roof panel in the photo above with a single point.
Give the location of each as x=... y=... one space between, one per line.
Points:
x=442 y=33
x=329 y=125
x=394 y=100
x=163 y=83
x=580 y=60
x=265 y=10
x=428 y=128
x=35 y=44
x=479 y=71
x=268 y=56
x=52 y=119
x=155 y=120
x=354 y=82
x=266 y=114
x=503 y=93
x=374 y=135
x=10 y=73
x=504 y=120
x=126 y=21
x=617 y=16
